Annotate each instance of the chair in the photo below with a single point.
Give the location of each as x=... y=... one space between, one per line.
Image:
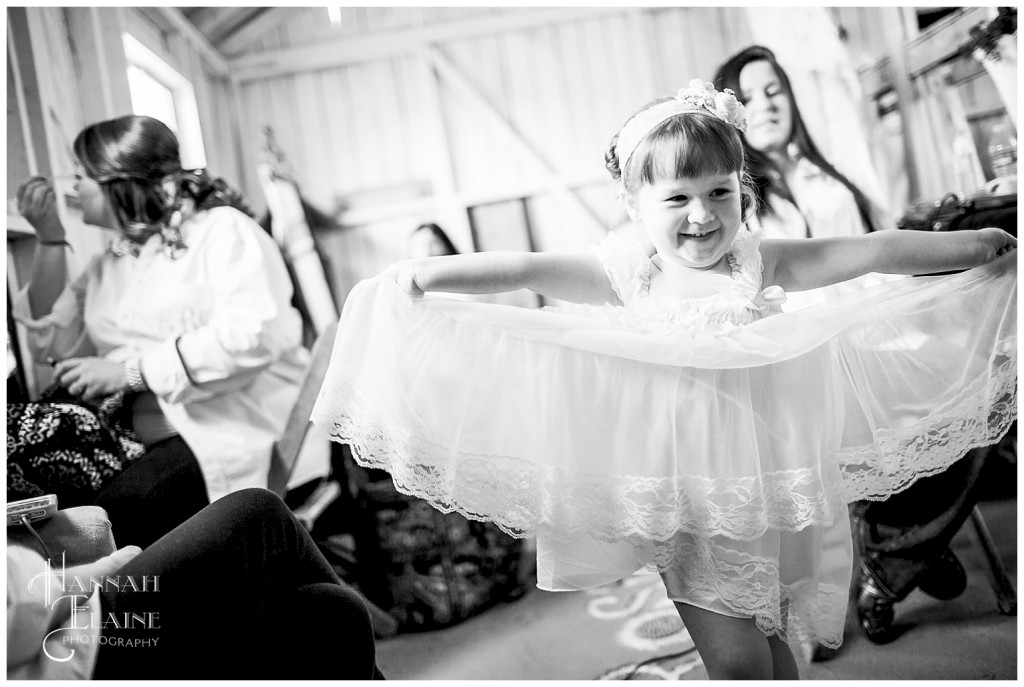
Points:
x=291 y=230
x=74 y=536
x=285 y=453
x=999 y=578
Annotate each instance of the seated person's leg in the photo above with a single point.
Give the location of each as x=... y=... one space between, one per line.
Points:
x=904 y=542
x=223 y=577
x=155 y=494
x=329 y=635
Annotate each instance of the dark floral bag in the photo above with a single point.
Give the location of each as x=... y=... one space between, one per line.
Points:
x=426 y=568
x=58 y=446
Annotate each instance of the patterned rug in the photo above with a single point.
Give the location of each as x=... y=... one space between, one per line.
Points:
x=649 y=625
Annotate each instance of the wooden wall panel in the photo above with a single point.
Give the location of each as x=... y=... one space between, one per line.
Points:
x=360 y=131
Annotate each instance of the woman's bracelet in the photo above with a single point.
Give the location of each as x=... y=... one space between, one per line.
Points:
x=133 y=371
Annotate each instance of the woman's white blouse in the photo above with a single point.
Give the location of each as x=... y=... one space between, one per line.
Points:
x=822 y=202
x=226 y=302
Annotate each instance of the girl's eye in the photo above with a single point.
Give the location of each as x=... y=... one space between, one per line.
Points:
x=678 y=199
x=720 y=192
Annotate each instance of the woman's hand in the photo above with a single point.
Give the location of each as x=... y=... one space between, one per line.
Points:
x=38 y=204
x=997 y=240
x=91 y=379
x=403 y=273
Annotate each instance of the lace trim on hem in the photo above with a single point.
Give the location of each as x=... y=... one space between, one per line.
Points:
x=521 y=497
x=898 y=458
x=713 y=576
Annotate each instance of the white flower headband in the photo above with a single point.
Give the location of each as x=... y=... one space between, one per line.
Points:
x=699 y=96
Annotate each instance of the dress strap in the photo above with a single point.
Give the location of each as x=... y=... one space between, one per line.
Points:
x=745 y=261
x=627 y=265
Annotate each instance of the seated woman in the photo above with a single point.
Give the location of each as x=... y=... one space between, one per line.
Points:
x=187 y=312
x=239 y=591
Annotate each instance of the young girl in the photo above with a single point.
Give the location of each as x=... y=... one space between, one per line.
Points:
x=673 y=418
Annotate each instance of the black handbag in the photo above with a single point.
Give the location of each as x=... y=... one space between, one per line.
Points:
x=950 y=213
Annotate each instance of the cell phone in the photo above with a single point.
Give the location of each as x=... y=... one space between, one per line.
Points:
x=35 y=509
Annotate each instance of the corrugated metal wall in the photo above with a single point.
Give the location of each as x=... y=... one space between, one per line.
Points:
x=518 y=108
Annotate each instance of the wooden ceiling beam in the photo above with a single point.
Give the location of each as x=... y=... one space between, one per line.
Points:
x=256 y=28
x=376 y=46
x=226 y=21
x=202 y=17
x=189 y=31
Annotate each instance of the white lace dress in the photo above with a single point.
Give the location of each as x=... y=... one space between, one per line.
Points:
x=700 y=438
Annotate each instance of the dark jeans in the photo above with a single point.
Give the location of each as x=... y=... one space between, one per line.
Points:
x=243 y=594
x=899 y=538
x=155 y=494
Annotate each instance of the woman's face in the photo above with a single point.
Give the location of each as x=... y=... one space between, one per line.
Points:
x=95 y=208
x=424 y=244
x=769 y=113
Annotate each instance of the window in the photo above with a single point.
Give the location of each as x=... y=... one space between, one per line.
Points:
x=160 y=91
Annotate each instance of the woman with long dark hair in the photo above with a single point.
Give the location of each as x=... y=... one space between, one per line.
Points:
x=186 y=314
x=800 y=193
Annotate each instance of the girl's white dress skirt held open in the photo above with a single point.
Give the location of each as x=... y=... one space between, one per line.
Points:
x=716 y=440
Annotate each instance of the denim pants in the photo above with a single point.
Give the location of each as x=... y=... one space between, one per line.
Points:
x=239 y=591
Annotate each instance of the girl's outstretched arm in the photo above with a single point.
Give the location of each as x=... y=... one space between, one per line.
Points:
x=576 y=277
x=796 y=265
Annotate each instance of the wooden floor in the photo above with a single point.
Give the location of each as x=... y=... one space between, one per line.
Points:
x=586 y=635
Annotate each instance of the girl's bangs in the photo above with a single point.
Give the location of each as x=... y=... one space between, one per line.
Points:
x=681 y=148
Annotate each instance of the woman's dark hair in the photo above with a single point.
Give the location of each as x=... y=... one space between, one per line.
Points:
x=684 y=145
x=441 y=236
x=136 y=161
x=765 y=175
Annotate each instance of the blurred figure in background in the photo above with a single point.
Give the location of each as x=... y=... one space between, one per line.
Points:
x=903 y=543
x=429 y=240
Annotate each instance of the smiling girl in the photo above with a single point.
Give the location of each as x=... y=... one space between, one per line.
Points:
x=671 y=418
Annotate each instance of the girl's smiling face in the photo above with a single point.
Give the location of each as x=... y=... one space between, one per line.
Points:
x=691 y=221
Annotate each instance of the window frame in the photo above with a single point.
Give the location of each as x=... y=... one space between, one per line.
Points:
x=186 y=109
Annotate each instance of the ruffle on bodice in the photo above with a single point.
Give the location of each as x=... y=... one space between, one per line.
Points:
x=629 y=270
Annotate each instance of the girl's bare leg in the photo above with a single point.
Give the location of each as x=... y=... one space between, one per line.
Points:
x=734 y=649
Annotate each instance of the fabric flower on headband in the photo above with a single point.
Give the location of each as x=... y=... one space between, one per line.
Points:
x=699 y=96
x=723 y=104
